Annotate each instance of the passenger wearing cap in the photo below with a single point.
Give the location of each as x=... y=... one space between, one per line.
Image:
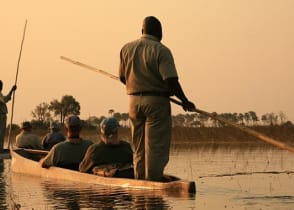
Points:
x=69 y=153
x=53 y=137
x=111 y=156
x=27 y=139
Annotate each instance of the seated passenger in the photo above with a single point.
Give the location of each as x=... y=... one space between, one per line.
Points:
x=26 y=138
x=69 y=153
x=53 y=137
x=110 y=157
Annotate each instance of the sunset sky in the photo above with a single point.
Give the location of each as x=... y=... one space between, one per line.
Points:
x=231 y=55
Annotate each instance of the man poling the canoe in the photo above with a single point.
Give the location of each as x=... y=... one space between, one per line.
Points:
x=150 y=77
x=3 y=113
x=148 y=71
x=16 y=77
x=249 y=131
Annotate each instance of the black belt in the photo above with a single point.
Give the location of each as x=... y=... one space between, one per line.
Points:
x=150 y=93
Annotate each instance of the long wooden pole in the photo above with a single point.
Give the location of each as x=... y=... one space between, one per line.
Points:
x=15 y=82
x=242 y=128
x=89 y=67
x=213 y=116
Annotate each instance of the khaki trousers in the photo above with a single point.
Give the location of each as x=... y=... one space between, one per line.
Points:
x=3 y=119
x=151 y=135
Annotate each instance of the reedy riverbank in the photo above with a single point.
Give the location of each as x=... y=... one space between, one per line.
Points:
x=206 y=136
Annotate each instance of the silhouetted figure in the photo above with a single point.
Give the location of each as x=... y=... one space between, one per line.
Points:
x=147 y=69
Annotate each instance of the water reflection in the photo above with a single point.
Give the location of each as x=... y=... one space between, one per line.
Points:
x=69 y=196
x=41 y=193
x=226 y=179
x=2 y=186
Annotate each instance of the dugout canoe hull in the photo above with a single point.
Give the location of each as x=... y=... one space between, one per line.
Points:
x=21 y=164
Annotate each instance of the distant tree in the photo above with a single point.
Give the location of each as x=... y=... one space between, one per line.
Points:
x=203 y=119
x=70 y=105
x=215 y=122
x=39 y=124
x=288 y=124
x=110 y=112
x=189 y=119
x=235 y=117
x=270 y=119
x=283 y=117
x=247 y=118
x=229 y=116
x=178 y=120
x=42 y=112
x=117 y=115
x=273 y=118
x=241 y=118
x=56 y=107
x=196 y=123
x=264 y=119
x=67 y=105
x=125 y=119
x=253 y=117
x=95 y=121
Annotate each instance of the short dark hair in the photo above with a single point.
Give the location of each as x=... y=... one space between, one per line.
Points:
x=1 y=84
x=152 y=26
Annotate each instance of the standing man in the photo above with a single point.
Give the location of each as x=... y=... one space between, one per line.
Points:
x=147 y=69
x=3 y=113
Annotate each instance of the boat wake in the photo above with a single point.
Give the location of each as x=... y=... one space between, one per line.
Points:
x=248 y=173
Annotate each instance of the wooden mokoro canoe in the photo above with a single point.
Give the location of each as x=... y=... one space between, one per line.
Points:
x=21 y=164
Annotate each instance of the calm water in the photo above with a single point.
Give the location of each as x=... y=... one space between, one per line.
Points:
x=225 y=179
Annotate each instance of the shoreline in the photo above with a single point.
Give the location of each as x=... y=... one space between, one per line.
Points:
x=206 y=136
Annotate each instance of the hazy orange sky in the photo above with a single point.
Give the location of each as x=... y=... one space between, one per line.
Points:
x=231 y=55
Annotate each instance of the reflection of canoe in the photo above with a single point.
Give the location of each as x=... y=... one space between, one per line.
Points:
x=21 y=164
x=61 y=194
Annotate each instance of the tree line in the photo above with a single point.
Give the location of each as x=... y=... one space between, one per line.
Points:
x=58 y=110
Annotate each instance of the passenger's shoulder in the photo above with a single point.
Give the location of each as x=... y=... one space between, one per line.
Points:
x=164 y=48
x=95 y=146
x=61 y=144
x=131 y=43
x=123 y=142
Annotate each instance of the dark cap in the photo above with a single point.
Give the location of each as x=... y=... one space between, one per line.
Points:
x=72 y=120
x=54 y=125
x=109 y=126
x=25 y=125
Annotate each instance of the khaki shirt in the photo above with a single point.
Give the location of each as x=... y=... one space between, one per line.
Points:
x=3 y=101
x=145 y=64
x=66 y=154
x=101 y=153
x=28 y=140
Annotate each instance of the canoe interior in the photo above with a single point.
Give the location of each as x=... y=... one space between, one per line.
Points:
x=5 y=154
x=27 y=162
